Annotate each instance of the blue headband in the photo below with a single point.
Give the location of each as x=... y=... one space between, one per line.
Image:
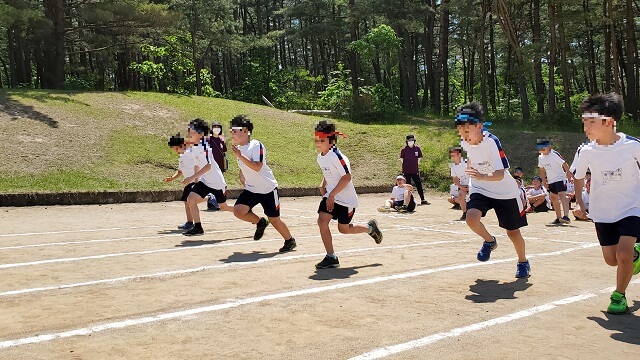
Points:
x=462 y=118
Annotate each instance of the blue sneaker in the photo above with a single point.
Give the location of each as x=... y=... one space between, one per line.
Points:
x=523 y=269
x=487 y=247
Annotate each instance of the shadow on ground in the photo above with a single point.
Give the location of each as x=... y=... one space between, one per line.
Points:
x=486 y=291
x=191 y=243
x=239 y=257
x=16 y=111
x=338 y=273
x=626 y=327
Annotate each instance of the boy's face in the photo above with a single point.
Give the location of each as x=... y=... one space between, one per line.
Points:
x=536 y=184
x=194 y=136
x=178 y=149
x=239 y=135
x=470 y=132
x=323 y=144
x=401 y=182
x=587 y=177
x=597 y=126
x=456 y=157
x=545 y=150
x=518 y=173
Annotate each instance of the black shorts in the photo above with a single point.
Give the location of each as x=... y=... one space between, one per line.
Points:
x=609 y=233
x=410 y=207
x=341 y=213
x=557 y=187
x=203 y=191
x=541 y=208
x=186 y=192
x=269 y=201
x=511 y=215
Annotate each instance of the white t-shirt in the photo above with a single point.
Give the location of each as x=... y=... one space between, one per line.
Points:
x=552 y=164
x=488 y=157
x=186 y=163
x=458 y=170
x=572 y=168
x=571 y=189
x=335 y=165
x=585 y=199
x=259 y=182
x=398 y=193
x=202 y=156
x=453 y=190
x=534 y=192
x=615 y=178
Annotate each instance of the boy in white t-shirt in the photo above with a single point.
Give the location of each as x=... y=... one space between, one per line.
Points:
x=458 y=167
x=453 y=197
x=401 y=199
x=491 y=186
x=538 y=196
x=554 y=172
x=208 y=179
x=186 y=168
x=339 y=198
x=260 y=186
x=614 y=207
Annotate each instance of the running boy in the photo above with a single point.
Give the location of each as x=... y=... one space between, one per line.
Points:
x=458 y=167
x=491 y=186
x=554 y=172
x=209 y=175
x=260 y=186
x=339 y=198
x=613 y=160
x=186 y=168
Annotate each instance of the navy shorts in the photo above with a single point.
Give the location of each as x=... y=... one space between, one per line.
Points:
x=558 y=187
x=511 y=215
x=186 y=192
x=410 y=207
x=340 y=212
x=203 y=191
x=269 y=201
x=609 y=233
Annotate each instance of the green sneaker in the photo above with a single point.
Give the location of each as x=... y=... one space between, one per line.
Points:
x=636 y=264
x=618 y=304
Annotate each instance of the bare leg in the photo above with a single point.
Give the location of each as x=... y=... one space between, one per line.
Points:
x=187 y=210
x=518 y=243
x=281 y=227
x=473 y=221
x=462 y=200
x=624 y=255
x=243 y=212
x=352 y=229
x=193 y=200
x=565 y=202
x=325 y=233
x=225 y=207
x=556 y=205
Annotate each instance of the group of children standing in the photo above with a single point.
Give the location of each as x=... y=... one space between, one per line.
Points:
x=483 y=182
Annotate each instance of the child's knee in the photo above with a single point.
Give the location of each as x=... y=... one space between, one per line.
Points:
x=344 y=228
x=624 y=256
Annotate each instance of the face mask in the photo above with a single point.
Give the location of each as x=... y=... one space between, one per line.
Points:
x=216 y=131
x=410 y=143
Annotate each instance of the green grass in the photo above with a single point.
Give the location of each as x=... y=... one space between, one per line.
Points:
x=84 y=141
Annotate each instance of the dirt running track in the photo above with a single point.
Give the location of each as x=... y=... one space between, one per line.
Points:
x=118 y=282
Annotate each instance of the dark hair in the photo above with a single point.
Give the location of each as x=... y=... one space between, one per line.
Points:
x=327 y=127
x=242 y=121
x=457 y=149
x=470 y=112
x=537 y=178
x=199 y=125
x=176 y=140
x=518 y=168
x=216 y=124
x=610 y=105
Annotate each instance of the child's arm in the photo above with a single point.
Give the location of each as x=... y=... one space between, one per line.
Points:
x=173 y=177
x=567 y=171
x=323 y=186
x=197 y=175
x=342 y=183
x=494 y=176
x=579 y=184
x=543 y=176
x=243 y=181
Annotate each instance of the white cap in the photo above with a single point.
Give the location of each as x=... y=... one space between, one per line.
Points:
x=400 y=177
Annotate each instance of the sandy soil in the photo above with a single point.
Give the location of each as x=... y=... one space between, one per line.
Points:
x=134 y=288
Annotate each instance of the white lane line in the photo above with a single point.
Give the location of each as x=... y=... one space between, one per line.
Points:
x=427 y=340
x=60 y=243
x=426 y=228
x=218 y=266
x=252 y=300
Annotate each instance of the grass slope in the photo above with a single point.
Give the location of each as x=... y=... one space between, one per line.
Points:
x=77 y=141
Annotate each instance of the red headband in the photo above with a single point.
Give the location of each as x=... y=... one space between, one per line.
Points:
x=321 y=134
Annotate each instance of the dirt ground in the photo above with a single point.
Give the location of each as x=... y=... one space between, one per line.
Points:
x=119 y=282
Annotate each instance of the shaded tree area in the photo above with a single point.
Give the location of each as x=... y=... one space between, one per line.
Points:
x=522 y=59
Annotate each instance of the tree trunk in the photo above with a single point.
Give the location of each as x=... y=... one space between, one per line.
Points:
x=552 y=56
x=537 y=61
x=494 y=69
x=483 y=57
x=607 y=48
x=353 y=56
x=55 y=13
x=564 y=63
x=593 y=80
x=632 y=91
x=614 y=47
x=444 y=55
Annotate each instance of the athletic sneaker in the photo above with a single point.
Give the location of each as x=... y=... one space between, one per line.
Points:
x=618 y=304
x=425 y=202
x=556 y=222
x=523 y=269
x=260 y=227
x=636 y=263
x=328 y=262
x=186 y=226
x=384 y=209
x=456 y=207
x=289 y=245
x=487 y=247
x=565 y=220
x=463 y=217
x=374 y=232
x=196 y=230
x=401 y=209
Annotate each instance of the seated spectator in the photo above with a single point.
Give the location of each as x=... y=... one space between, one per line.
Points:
x=453 y=196
x=538 y=197
x=584 y=215
x=401 y=199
